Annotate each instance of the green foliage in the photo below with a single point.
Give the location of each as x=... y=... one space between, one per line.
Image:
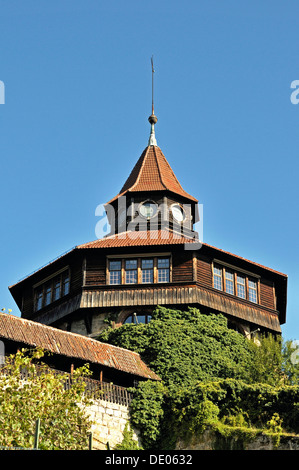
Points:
x=274 y=426
x=211 y=376
x=42 y=395
x=147 y=413
x=128 y=443
x=290 y=361
x=172 y=338
x=267 y=361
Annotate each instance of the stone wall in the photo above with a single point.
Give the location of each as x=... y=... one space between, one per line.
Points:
x=109 y=421
x=210 y=440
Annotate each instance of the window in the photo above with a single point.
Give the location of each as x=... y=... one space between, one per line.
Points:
x=235 y=283
x=217 y=278
x=241 y=290
x=138 y=318
x=48 y=294
x=57 y=289
x=252 y=291
x=131 y=271
x=39 y=299
x=229 y=282
x=66 y=283
x=163 y=269
x=115 y=272
x=52 y=290
x=139 y=270
x=147 y=270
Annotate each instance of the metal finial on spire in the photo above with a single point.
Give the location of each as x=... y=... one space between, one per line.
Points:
x=153 y=71
x=152 y=119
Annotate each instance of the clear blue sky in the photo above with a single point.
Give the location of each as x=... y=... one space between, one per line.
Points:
x=77 y=97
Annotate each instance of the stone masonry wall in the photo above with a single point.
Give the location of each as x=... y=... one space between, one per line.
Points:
x=210 y=440
x=109 y=420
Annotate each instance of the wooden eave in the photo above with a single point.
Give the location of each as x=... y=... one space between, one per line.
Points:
x=118 y=245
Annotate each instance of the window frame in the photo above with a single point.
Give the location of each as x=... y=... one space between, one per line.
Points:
x=114 y=271
x=139 y=258
x=227 y=281
x=136 y=314
x=145 y=270
x=129 y=270
x=237 y=273
x=161 y=270
x=252 y=289
x=218 y=276
x=48 y=287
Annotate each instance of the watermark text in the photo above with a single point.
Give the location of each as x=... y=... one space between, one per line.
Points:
x=151 y=221
x=2 y=92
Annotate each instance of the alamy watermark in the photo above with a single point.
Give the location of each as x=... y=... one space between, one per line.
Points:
x=2 y=353
x=150 y=221
x=2 y=92
x=295 y=94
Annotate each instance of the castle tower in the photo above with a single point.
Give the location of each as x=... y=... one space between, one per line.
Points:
x=152 y=256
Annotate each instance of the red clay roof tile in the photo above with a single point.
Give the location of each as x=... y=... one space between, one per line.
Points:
x=73 y=345
x=142 y=238
x=152 y=172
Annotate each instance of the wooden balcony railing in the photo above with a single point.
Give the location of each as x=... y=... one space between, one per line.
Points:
x=95 y=389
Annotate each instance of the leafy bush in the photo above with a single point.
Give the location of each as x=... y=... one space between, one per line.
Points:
x=211 y=375
x=64 y=424
x=128 y=442
x=183 y=347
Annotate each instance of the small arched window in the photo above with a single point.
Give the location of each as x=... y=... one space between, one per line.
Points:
x=138 y=318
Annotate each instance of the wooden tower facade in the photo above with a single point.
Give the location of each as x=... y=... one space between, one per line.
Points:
x=151 y=257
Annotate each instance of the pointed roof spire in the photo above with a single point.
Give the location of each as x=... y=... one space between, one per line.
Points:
x=152 y=119
x=152 y=172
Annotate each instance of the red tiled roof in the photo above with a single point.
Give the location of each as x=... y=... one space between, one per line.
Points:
x=142 y=238
x=152 y=172
x=159 y=237
x=244 y=259
x=73 y=345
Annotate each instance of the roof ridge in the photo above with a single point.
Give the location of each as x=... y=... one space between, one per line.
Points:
x=66 y=343
x=64 y=332
x=245 y=259
x=158 y=165
x=145 y=152
x=152 y=172
x=170 y=168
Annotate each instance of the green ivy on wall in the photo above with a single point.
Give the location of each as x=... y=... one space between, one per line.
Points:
x=211 y=377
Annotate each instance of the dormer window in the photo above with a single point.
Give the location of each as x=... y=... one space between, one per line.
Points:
x=52 y=289
x=229 y=280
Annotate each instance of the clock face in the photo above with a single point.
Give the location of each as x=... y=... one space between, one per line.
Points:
x=148 y=209
x=178 y=213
